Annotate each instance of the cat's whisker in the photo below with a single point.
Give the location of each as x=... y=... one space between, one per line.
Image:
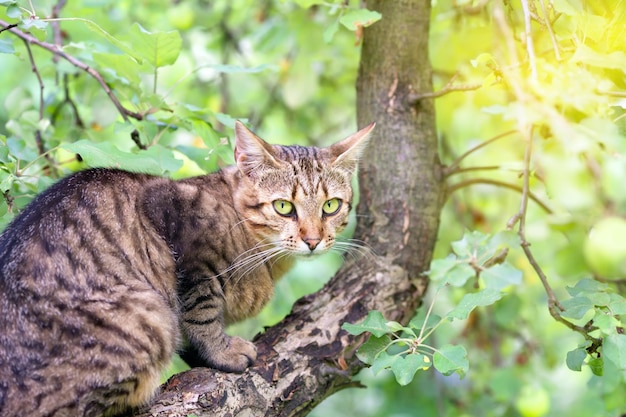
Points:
x=355 y=248
x=240 y=222
x=249 y=264
x=250 y=256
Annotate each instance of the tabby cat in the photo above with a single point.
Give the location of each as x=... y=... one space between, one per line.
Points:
x=103 y=274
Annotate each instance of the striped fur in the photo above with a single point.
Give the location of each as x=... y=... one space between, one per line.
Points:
x=103 y=274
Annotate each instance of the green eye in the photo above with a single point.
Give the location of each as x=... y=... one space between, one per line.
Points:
x=283 y=207
x=331 y=206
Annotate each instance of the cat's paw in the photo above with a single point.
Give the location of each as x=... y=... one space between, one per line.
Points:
x=237 y=355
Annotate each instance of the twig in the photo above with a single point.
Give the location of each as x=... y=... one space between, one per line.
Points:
x=450 y=87
x=454 y=166
x=476 y=168
x=498 y=183
x=9 y=199
x=68 y=100
x=555 y=44
x=554 y=306
x=530 y=48
x=124 y=112
x=33 y=67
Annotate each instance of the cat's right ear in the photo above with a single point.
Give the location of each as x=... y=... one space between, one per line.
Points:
x=252 y=152
x=347 y=152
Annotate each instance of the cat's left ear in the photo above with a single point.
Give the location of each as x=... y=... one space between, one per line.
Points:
x=347 y=152
x=252 y=152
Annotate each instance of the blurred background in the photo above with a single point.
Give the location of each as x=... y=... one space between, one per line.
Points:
x=288 y=68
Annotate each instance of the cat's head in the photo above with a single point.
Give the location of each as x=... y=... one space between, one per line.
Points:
x=296 y=198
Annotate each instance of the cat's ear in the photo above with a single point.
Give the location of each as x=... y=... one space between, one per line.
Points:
x=347 y=152
x=252 y=152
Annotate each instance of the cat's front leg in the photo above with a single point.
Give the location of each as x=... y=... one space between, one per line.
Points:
x=203 y=324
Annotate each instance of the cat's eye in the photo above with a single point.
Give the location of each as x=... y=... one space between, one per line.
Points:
x=284 y=207
x=332 y=206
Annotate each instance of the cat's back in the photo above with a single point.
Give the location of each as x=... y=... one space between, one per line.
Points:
x=83 y=298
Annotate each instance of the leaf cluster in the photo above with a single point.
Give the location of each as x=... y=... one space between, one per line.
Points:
x=403 y=349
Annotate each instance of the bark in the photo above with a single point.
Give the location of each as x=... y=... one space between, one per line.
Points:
x=307 y=356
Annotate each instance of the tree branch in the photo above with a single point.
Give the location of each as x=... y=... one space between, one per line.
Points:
x=473 y=181
x=55 y=49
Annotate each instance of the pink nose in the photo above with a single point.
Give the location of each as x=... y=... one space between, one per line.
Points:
x=312 y=242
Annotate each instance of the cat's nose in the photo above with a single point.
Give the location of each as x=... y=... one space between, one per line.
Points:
x=312 y=242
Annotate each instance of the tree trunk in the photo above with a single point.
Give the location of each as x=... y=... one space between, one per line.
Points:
x=307 y=356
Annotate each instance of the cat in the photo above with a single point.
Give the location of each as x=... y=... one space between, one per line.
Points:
x=104 y=273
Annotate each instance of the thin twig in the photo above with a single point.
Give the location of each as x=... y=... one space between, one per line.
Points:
x=454 y=166
x=33 y=67
x=530 y=48
x=498 y=183
x=68 y=100
x=450 y=87
x=555 y=43
x=124 y=112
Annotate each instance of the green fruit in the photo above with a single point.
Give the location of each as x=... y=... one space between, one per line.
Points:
x=533 y=402
x=605 y=248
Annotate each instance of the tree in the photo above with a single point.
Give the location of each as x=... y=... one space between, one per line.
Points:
x=528 y=270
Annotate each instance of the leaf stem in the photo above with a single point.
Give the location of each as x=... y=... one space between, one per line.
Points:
x=428 y=312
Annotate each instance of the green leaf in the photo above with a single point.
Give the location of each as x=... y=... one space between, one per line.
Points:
x=417 y=322
x=501 y=276
x=450 y=271
x=374 y=323
x=105 y=154
x=13 y=11
x=471 y=245
x=617 y=304
x=575 y=359
x=164 y=157
x=383 y=361
x=505 y=238
x=586 y=285
x=6 y=46
x=451 y=358
x=330 y=31
x=404 y=368
x=472 y=300
x=21 y=149
x=359 y=18
x=586 y=55
x=394 y=326
x=368 y=352
x=614 y=349
x=606 y=323
x=122 y=67
x=158 y=48
x=576 y=307
x=94 y=27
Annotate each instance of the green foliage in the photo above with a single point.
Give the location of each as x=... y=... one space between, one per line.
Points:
x=530 y=115
x=402 y=349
